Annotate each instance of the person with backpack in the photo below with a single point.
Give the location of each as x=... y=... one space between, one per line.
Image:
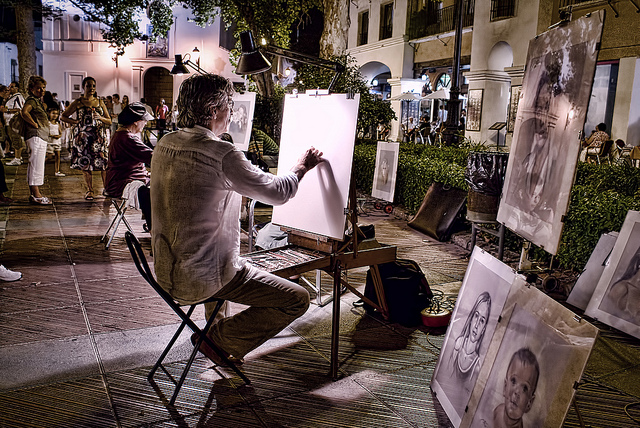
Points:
x=14 y=105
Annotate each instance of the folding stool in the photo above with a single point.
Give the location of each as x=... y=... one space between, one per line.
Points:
x=120 y=204
x=128 y=199
x=144 y=269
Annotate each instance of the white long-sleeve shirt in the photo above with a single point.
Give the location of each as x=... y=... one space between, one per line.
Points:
x=197 y=183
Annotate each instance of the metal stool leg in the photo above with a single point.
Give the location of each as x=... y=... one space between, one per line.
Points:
x=121 y=209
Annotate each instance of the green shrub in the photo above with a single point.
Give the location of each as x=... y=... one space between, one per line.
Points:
x=591 y=213
x=418 y=167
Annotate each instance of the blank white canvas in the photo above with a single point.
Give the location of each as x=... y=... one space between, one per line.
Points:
x=328 y=123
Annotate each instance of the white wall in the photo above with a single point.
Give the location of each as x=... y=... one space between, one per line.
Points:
x=8 y=51
x=626 y=111
x=88 y=57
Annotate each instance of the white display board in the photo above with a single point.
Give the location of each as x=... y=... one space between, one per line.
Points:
x=328 y=123
x=616 y=299
x=242 y=119
x=588 y=280
x=384 y=177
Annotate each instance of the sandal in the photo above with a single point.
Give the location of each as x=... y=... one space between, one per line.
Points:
x=43 y=200
x=89 y=196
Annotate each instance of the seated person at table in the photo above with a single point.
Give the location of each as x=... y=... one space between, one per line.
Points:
x=595 y=140
x=196 y=192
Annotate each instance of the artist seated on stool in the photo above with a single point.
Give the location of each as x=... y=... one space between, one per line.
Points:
x=196 y=192
x=128 y=156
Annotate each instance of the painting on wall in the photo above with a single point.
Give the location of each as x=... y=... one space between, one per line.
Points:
x=615 y=299
x=537 y=356
x=384 y=176
x=160 y=47
x=544 y=151
x=474 y=109
x=513 y=107
x=474 y=319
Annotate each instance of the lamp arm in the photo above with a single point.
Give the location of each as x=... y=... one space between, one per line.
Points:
x=195 y=67
x=300 y=57
x=308 y=59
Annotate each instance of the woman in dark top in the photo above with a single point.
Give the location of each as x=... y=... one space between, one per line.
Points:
x=36 y=136
x=127 y=153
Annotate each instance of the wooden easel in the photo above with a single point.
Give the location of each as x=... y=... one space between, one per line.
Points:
x=344 y=256
x=335 y=257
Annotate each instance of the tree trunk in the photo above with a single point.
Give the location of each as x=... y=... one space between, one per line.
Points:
x=26 y=44
x=336 y=28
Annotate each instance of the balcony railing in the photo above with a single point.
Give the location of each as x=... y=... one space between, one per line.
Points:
x=566 y=3
x=428 y=21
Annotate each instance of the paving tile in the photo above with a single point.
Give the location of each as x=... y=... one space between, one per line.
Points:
x=77 y=403
x=43 y=324
x=22 y=296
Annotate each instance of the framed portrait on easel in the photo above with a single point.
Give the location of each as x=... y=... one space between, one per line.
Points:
x=544 y=152
x=242 y=119
x=536 y=358
x=384 y=176
x=474 y=109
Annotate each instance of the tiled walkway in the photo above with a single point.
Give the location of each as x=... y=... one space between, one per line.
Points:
x=81 y=330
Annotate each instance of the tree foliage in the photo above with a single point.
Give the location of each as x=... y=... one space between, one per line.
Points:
x=265 y=18
x=371 y=109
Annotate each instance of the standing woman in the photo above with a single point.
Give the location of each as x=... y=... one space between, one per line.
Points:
x=35 y=115
x=88 y=142
x=125 y=101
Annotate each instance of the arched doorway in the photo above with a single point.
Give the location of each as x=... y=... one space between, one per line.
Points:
x=158 y=84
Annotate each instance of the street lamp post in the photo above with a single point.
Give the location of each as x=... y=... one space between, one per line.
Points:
x=450 y=133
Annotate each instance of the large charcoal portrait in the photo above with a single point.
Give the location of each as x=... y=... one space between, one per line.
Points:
x=556 y=88
x=526 y=374
x=473 y=322
x=538 y=352
x=617 y=295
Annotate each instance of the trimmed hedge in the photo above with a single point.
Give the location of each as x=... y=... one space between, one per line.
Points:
x=418 y=167
x=600 y=197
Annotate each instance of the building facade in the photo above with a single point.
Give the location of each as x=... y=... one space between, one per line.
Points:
x=74 y=48
x=416 y=54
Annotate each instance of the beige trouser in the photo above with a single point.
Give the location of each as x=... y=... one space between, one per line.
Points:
x=273 y=304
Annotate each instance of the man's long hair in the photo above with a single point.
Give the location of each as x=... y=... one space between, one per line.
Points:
x=201 y=95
